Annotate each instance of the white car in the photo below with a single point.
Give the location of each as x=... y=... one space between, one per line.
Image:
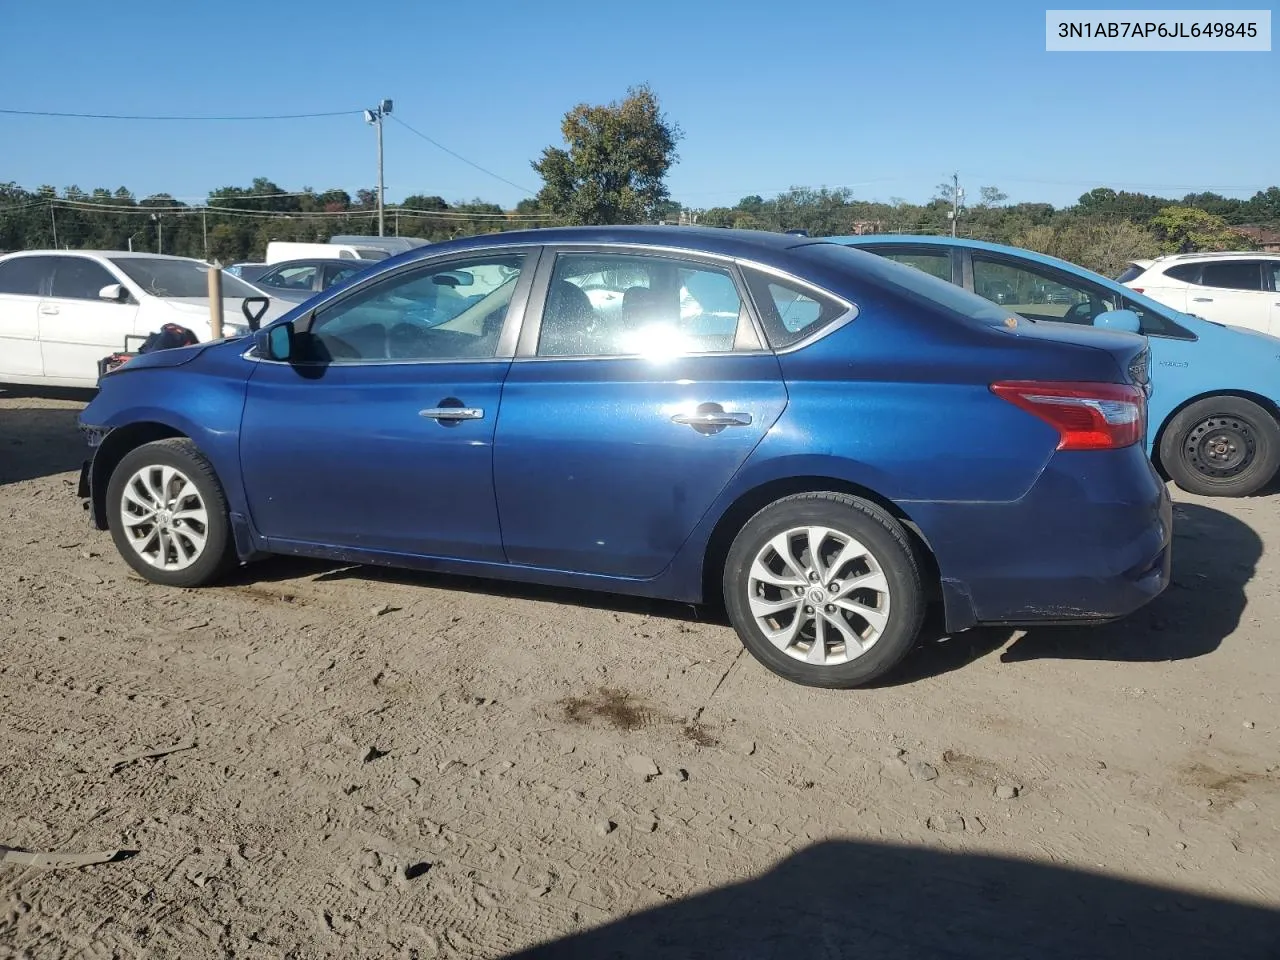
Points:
x=61 y=311
x=1238 y=289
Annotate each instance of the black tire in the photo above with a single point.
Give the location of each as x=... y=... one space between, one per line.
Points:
x=183 y=455
x=1221 y=447
x=886 y=542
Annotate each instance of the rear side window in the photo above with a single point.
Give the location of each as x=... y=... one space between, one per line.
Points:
x=25 y=276
x=790 y=312
x=1186 y=272
x=1233 y=274
x=1131 y=272
x=938 y=264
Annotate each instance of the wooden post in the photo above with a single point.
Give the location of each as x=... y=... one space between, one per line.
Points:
x=215 y=301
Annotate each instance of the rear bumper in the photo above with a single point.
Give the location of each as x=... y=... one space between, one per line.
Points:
x=1089 y=542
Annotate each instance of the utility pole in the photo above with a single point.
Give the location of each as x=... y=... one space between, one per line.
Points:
x=956 y=196
x=53 y=219
x=204 y=228
x=375 y=117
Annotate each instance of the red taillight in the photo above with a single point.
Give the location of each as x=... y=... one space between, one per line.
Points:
x=1136 y=289
x=1087 y=416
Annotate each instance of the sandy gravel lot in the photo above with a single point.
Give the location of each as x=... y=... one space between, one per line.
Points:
x=368 y=763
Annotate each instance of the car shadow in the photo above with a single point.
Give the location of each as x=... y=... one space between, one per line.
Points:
x=892 y=902
x=1214 y=557
x=37 y=440
x=324 y=571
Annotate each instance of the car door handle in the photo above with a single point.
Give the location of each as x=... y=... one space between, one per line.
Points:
x=713 y=419
x=1202 y=299
x=452 y=413
x=49 y=311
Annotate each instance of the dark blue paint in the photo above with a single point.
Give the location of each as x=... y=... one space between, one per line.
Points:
x=577 y=476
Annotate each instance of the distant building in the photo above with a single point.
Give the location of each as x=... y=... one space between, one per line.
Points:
x=1267 y=240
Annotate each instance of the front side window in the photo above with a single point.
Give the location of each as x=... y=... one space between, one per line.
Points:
x=620 y=305
x=1273 y=268
x=75 y=278
x=452 y=311
x=1232 y=274
x=26 y=276
x=1039 y=293
x=299 y=277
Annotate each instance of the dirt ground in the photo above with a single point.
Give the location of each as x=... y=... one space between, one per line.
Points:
x=375 y=764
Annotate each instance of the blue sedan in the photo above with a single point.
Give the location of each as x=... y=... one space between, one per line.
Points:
x=1215 y=394
x=823 y=439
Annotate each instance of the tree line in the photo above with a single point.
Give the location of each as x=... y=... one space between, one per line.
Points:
x=612 y=168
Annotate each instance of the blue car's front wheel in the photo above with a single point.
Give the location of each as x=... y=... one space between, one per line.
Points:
x=824 y=589
x=168 y=514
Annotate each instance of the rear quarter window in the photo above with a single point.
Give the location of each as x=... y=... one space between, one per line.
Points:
x=790 y=310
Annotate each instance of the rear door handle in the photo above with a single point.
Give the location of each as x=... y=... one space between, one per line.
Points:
x=713 y=419
x=49 y=311
x=452 y=413
x=1202 y=299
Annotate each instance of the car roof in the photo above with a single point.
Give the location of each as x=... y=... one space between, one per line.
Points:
x=1215 y=255
x=308 y=261
x=903 y=239
x=910 y=238
x=726 y=242
x=113 y=254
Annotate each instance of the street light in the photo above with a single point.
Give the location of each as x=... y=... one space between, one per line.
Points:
x=374 y=117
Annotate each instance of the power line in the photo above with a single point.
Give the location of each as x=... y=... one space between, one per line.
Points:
x=128 y=116
x=470 y=163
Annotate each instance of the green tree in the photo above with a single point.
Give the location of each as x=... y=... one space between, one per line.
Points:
x=1187 y=229
x=616 y=163
x=1094 y=243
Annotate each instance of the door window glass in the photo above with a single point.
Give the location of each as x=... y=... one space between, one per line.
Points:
x=936 y=264
x=26 y=276
x=1233 y=274
x=1039 y=293
x=75 y=278
x=615 y=305
x=446 y=312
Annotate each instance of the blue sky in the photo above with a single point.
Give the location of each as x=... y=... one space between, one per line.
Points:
x=886 y=98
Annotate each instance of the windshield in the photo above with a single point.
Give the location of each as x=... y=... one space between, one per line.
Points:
x=173 y=279
x=910 y=279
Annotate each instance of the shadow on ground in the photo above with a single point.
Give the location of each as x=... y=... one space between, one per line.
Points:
x=40 y=439
x=1214 y=557
x=880 y=902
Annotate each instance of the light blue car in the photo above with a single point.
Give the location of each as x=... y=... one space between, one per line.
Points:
x=1215 y=399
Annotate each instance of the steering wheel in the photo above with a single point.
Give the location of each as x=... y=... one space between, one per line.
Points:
x=1081 y=313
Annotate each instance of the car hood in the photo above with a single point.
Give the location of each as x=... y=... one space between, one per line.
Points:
x=174 y=357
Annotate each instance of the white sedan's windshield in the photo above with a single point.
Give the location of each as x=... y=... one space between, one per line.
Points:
x=178 y=279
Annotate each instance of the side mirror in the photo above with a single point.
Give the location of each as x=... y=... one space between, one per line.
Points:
x=114 y=292
x=275 y=342
x=1125 y=321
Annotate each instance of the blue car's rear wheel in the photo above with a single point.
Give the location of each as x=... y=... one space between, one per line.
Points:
x=168 y=514
x=1221 y=447
x=824 y=589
